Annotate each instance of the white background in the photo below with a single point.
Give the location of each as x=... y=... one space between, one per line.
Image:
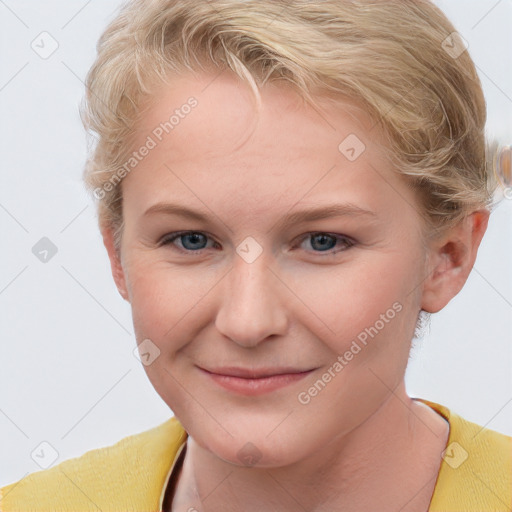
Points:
x=68 y=375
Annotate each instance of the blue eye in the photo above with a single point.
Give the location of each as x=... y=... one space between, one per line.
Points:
x=191 y=241
x=326 y=241
x=194 y=241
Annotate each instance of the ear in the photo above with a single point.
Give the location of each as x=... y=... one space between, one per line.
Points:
x=115 y=262
x=451 y=259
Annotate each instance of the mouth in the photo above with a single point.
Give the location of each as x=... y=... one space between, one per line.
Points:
x=247 y=381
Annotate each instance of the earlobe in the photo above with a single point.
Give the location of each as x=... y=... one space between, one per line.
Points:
x=451 y=260
x=115 y=262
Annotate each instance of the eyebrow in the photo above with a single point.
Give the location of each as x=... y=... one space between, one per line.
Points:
x=323 y=212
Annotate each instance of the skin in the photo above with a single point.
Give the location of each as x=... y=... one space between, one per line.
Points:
x=361 y=443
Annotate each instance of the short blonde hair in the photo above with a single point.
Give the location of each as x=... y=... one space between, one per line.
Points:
x=395 y=58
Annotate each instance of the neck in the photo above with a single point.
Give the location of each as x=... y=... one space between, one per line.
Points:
x=390 y=461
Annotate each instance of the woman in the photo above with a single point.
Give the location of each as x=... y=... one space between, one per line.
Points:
x=285 y=190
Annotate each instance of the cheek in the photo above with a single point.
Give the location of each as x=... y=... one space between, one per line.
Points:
x=336 y=303
x=165 y=301
x=340 y=303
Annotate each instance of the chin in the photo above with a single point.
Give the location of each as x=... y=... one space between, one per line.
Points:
x=252 y=447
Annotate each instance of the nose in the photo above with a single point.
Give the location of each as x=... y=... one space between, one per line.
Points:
x=252 y=303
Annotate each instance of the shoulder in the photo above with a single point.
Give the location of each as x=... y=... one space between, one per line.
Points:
x=128 y=475
x=476 y=468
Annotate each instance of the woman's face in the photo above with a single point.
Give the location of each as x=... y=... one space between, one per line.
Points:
x=255 y=288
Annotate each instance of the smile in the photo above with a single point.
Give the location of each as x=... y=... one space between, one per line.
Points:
x=251 y=382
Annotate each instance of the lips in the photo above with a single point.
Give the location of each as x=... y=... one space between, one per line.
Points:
x=246 y=373
x=252 y=381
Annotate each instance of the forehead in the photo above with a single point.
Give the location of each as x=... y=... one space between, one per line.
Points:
x=224 y=145
x=225 y=113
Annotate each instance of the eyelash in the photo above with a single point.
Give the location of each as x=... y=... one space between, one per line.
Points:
x=171 y=237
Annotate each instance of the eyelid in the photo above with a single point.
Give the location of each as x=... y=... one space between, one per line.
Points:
x=350 y=242
x=169 y=238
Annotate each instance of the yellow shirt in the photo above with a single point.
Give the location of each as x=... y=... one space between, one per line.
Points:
x=475 y=474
